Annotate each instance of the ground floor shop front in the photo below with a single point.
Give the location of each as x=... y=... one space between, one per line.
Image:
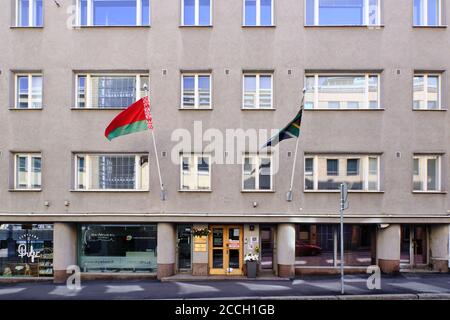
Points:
x=203 y=249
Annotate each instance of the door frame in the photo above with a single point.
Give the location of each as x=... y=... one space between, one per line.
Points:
x=273 y=236
x=226 y=255
x=183 y=270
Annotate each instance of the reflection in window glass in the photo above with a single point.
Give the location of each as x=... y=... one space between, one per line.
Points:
x=257 y=173
x=426 y=12
x=426 y=173
x=118 y=248
x=257 y=91
x=250 y=13
x=426 y=89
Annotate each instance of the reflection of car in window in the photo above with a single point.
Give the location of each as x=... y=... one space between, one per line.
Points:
x=303 y=249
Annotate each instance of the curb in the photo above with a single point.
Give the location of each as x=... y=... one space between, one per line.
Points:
x=409 y=296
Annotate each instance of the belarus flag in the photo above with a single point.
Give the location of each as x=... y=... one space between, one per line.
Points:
x=135 y=118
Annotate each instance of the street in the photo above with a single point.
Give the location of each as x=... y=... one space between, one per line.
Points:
x=404 y=286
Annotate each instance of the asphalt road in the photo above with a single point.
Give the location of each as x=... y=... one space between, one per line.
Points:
x=406 y=284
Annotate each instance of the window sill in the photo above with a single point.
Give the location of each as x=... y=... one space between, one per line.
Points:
x=347 y=26
x=257 y=27
x=429 y=192
x=24 y=190
x=110 y=27
x=193 y=26
x=258 y=109
x=337 y=191
x=430 y=27
x=196 y=109
x=27 y=27
x=110 y=191
x=257 y=191
x=97 y=109
x=432 y=110
x=25 y=109
x=356 y=110
x=194 y=191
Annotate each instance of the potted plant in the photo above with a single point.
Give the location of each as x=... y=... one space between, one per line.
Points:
x=201 y=232
x=251 y=260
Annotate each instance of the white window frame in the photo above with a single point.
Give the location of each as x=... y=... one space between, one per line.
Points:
x=258 y=158
x=423 y=172
x=364 y=159
x=90 y=14
x=29 y=157
x=197 y=15
x=32 y=17
x=425 y=85
x=366 y=93
x=30 y=90
x=88 y=87
x=258 y=15
x=194 y=157
x=87 y=176
x=366 y=17
x=196 y=91
x=424 y=11
x=258 y=90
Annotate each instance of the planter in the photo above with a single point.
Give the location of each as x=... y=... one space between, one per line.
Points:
x=252 y=268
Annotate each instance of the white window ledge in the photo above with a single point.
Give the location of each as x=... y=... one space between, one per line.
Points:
x=256 y=27
x=25 y=190
x=194 y=26
x=23 y=109
x=195 y=191
x=196 y=109
x=27 y=27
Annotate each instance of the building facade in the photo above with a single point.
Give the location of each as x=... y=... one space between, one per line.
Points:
x=376 y=118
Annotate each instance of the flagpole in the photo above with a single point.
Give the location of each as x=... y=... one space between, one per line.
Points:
x=161 y=185
x=289 y=195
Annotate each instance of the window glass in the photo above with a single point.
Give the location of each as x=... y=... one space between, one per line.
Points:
x=22 y=94
x=145 y=12
x=250 y=12
x=426 y=93
x=36 y=172
x=309 y=173
x=204 y=91
x=352 y=167
x=113 y=91
x=341 y=12
x=433 y=12
x=432 y=174
x=189 y=91
x=266 y=12
x=114 y=12
x=433 y=92
x=264 y=174
x=36 y=92
x=373 y=174
x=203 y=173
x=22 y=171
x=83 y=12
x=26 y=250
x=118 y=248
x=249 y=174
x=336 y=92
x=189 y=12
x=38 y=13
x=204 y=13
x=309 y=94
x=250 y=91
x=417 y=183
x=81 y=172
x=265 y=91
x=81 y=98
x=314 y=245
x=332 y=167
x=418 y=13
x=24 y=13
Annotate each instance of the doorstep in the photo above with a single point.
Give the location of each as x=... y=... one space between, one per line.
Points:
x=189 y=278
x=25 y=279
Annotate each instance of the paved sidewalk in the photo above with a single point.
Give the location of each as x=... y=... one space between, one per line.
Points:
x=404 y=286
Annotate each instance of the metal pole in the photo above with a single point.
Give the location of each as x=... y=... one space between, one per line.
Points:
x=342 y=206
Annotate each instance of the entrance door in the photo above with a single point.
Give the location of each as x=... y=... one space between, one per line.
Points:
x=225 y=250
x=184 y=248
x=267 y=244
x=414 y=246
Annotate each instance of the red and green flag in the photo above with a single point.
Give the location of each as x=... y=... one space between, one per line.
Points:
x=135 y=118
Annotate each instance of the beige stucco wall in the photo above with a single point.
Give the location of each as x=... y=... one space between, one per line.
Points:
x=286 y=244
x=388 y=242
x=64 y=246
x=166 y=243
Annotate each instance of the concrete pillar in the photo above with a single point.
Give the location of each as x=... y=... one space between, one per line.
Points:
x=64 y=250
x=388 y=248
x=286 y=250
x=439 y=253
x=200 y=258
x=166 y=250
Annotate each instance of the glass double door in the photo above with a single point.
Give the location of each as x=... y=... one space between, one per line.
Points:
x=414 y=245
x=225 y=250
x=184 y=248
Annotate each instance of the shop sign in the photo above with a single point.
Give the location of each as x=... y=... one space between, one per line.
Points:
x=200 y=244
x=234 y=244
x=22 y=251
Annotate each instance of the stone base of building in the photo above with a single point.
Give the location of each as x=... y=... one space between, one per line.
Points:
x=60 y=276
x=327 y=271
x=200 y=269
x=165 y=270
x=286 y=271
x=440 y=265
x=389 y=266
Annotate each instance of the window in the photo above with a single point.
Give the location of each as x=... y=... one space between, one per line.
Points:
x=258 y=12
x=427 y=13
x=427 y=89
x=29 y=13
x=327 y=172
x=18 y=242
x=113 y=12
x=28 y=91
x=257 y=173
x=195 y=172
x=342 y=12
x=100 y=91
x=196 y=91
x=196 y=13
x=112 y=172
x=426 y=173
x=28 y=173
x=117 y=248
x=258 y=91
x=342 y=91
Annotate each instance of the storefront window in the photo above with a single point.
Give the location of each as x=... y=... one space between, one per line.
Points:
x=318 y=245
x=117 y=248
x=26 y=250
